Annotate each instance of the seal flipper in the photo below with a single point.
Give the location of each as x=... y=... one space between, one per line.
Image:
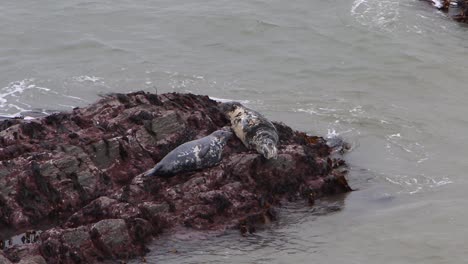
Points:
x=142 y=177
x=203 y=152
x=160 y=171
x=151 y=172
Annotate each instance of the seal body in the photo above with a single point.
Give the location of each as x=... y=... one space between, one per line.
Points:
x=252 y=128
x=196 y=154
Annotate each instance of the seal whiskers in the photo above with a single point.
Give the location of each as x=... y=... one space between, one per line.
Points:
x=266 y=147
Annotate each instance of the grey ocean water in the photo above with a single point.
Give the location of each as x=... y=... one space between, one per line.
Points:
x=388 y=75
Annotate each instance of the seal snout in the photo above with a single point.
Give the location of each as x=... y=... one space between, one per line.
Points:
x=229 y=107
x=253 y=129
x=268 y=149
x=224 y=133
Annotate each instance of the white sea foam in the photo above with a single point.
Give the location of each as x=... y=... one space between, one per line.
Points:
x=381 y=14
x=222 y=100
x=15 y=98
x=73 y=97
x=417 y=183
x=14 y=90
x=331 y=133
x=399 y=142
x=86 y=78
x=437 y=3
x=321 y=111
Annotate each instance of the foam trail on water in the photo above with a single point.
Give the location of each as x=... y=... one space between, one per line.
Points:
x=14 y=90
x=86 y=78
x=380 y=14
x=15 y=100
x=222 y=100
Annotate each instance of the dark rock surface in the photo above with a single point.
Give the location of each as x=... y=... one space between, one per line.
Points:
x=77 y=177
x=456 y=9
x=4 y=259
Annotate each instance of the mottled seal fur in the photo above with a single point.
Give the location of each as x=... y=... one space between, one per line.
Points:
x=196 y=154
x=252 y=128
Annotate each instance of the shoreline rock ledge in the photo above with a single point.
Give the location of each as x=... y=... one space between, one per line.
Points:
x=68 y=189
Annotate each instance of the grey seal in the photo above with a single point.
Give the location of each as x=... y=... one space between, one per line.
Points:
x=196 y=154
x=252 y=128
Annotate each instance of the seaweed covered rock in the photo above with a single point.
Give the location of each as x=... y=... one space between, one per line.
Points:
x=78 y=177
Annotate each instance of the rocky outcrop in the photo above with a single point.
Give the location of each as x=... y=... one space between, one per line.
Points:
x=77 y=177
x=456 y=9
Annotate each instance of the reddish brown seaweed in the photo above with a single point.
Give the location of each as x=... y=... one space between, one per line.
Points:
x=76 y=172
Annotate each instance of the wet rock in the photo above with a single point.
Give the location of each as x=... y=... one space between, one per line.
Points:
x=105 y=152
x=76 y=237
x=17 y=218
x=32 y=260
x=16 y=253
x=113 y=235
x=456 y=9
x=92 y=212
x=141 y=230
x=166 y=125
x=79 y=174
x=4 y=259
x=5 y=188
x=73 y=245
x=154 y=209
x=33 y=129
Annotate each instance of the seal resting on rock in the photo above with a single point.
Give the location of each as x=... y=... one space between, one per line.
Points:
x=196 y=154
x=252 y=128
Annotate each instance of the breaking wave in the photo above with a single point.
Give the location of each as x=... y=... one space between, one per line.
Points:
x=11 y=104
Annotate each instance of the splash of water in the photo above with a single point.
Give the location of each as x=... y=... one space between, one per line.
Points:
x=379 y=14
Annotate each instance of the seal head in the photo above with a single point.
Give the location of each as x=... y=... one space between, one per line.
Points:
x=193 y=155
x=253 y=129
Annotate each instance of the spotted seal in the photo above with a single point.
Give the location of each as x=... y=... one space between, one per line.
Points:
x=196 y=154
x=252 y=128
